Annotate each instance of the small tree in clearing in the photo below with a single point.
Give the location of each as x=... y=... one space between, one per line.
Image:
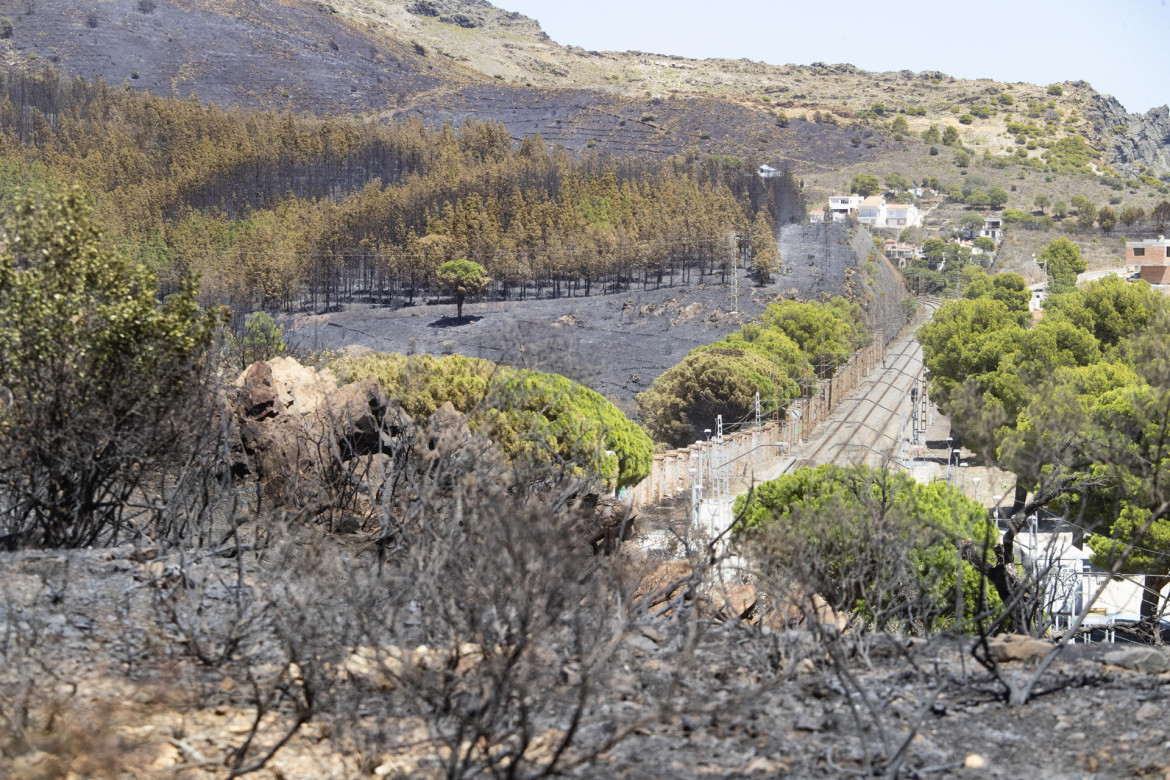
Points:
x=462 y=279
x=1106 y=219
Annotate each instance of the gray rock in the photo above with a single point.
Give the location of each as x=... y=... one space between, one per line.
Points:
x=1141 y=659
x=642 y=644
x=809 y=722
x=1130 y=140
x=1147 y=711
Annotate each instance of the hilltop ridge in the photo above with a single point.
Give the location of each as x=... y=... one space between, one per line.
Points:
x=449 y=59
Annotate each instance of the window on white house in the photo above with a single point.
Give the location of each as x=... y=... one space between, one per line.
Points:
x=1139 y=251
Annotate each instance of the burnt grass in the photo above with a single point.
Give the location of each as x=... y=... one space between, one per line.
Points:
x=744 y=701
x=657 y=127
x=305 y=59
x=267 y=54
x=616 y=343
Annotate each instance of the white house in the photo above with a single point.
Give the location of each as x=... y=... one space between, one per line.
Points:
x=902 y=215
x=841 y=206
x=768 y=172
x=874 y=211
x=1055 y=548
x=992 y=228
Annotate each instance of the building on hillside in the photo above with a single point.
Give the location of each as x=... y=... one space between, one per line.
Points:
x=768 y=172
x=872 y=211
x=876 y=212
x=902 y=215
x=841 y=206
x=900 y=253
x=992 y=228
x=1036 y=302
x=1152 y=259
x=1054 y=550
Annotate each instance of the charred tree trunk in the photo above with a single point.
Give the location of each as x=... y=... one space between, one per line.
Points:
x=1017 y=593
x=1152 y=597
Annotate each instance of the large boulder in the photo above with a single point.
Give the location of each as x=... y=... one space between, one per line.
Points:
x=444 y=434
x=353 y=414
x=295 y=424
x=606 y=521
x=301 y=389
x=257 y=393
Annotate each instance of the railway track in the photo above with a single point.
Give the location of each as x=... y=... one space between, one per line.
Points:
x=867 y=429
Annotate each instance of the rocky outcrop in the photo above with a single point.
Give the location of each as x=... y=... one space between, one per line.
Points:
x=1130 y=140
x=607 y=522
x=315 y=446
x=294 y=424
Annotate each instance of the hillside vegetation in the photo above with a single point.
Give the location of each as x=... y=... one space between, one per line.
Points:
x=777 y=360
x=277 y=211
x=538 y=420
x=419 y=570
x=449 y=59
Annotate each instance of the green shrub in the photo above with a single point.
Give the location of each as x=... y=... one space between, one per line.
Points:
x=827 y=333
x=1069 y=154
x=779 y=359
x=873 y=542
x=101 y=381
x=717 y=380
x=533 y=417
x=263 y=339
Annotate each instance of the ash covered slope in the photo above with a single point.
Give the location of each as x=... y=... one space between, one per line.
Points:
x=426 y=58
x=450 y=59
x=258 y=53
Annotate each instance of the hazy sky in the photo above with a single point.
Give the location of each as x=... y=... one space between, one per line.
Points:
x=1121 y=47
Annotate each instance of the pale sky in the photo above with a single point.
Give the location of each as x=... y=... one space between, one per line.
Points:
x=1121 y=47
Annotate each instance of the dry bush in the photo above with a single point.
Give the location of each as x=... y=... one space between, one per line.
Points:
x=467 y=628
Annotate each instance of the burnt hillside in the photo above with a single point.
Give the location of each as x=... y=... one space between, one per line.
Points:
x=262 y=53
x=311 y=59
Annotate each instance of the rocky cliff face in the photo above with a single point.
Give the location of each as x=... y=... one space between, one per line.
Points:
x=470 y=14
x=1131 y=140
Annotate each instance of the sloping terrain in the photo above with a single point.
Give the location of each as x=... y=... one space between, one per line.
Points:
x=449 y=59
x=260 y=54
x=616 y=344
x=583 y=119
x=110 y=690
